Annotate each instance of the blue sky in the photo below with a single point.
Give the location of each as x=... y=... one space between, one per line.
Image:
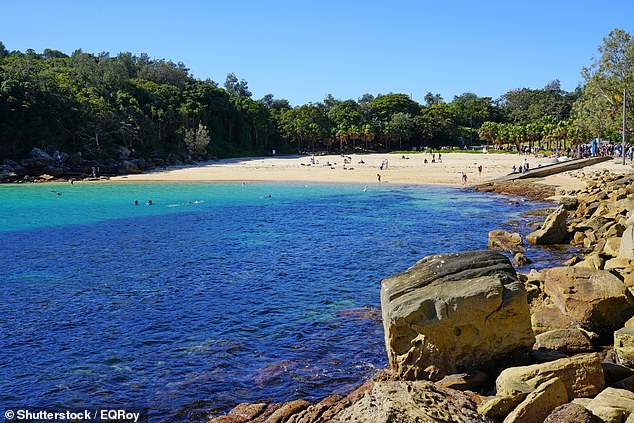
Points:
x=303 y=50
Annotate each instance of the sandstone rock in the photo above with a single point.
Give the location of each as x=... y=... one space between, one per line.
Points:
x=454 y=312
x=243 y=412
x=629 y=323
x=547 y=316
x=569 y=413
x=553 y=231
x=498 y=408
x=582 y=375
x=39 y=154
x=572 y=261
x=505 y=241
x=286 y=410
x=464 y=381
x=591 y=261
x=620 y=265
x=564 y=340
x=624 y=346
x=405 y=402
x=539 y=403
x=521 y=260
x=626 y=249
x=611 y=247
x=612 y=405
x=568 y=202
x=126 y=167
x=578 y=237
x=596 y=299
x=615 y=373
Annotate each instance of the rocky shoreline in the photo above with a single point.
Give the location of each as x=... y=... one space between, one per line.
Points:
x=471 y=340
x=41 y=166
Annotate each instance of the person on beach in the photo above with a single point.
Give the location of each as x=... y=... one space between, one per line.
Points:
x=479 y=171
x=464 y=178
x=378 y=176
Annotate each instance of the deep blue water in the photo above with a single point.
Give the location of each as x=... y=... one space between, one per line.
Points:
x=215 y=295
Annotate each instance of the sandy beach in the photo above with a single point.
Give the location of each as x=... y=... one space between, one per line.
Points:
x=363 y=169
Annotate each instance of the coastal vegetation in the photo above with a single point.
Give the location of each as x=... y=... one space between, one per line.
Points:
x=97 y=103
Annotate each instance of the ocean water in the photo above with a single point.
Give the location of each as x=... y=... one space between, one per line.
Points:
x=216 y=294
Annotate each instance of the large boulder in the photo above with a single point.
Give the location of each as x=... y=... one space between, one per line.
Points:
x=612 y=405
x=451 y=313
x=553 y=230
x=582 y=376
x=405 y=402
x=595 y=299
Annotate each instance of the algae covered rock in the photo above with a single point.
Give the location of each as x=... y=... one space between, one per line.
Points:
x=451 y=313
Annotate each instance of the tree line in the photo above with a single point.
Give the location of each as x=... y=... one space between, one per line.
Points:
x=95 y=103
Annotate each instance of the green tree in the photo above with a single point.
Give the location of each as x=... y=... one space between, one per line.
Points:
x=599 y=110
x=235 y=88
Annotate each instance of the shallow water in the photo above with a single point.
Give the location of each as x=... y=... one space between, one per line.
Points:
x=215 y=295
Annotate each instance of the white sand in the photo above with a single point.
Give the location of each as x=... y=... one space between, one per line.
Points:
x=412 y=170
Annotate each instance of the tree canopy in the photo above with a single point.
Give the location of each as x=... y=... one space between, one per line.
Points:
x=94 y=103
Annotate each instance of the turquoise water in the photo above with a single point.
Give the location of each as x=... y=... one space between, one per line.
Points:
x=216 y=294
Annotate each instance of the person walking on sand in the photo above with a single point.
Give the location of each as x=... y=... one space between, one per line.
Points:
x=464 y=178
x=378 y=176
x=479 y=171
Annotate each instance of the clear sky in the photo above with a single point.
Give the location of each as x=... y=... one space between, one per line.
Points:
x=302 y=50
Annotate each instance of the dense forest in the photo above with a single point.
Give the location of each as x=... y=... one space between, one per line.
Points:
x=98 y=104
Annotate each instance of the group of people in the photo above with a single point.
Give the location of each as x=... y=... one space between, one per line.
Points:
x=149 y=203
x=523 y=168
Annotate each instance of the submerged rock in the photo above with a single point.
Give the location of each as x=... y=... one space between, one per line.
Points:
x=451 y=313
x=501 y=240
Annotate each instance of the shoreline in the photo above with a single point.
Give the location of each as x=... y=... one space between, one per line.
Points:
x=567 y=185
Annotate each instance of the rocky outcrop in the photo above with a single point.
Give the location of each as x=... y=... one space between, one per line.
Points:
x=595 y=299
x=553 y=230
x=582 y=375
x=612 y=405
x=501 y=240
x=406 y=401
x=379 y=400
x=571 y=341
x=539 y=403
x=454 y=312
